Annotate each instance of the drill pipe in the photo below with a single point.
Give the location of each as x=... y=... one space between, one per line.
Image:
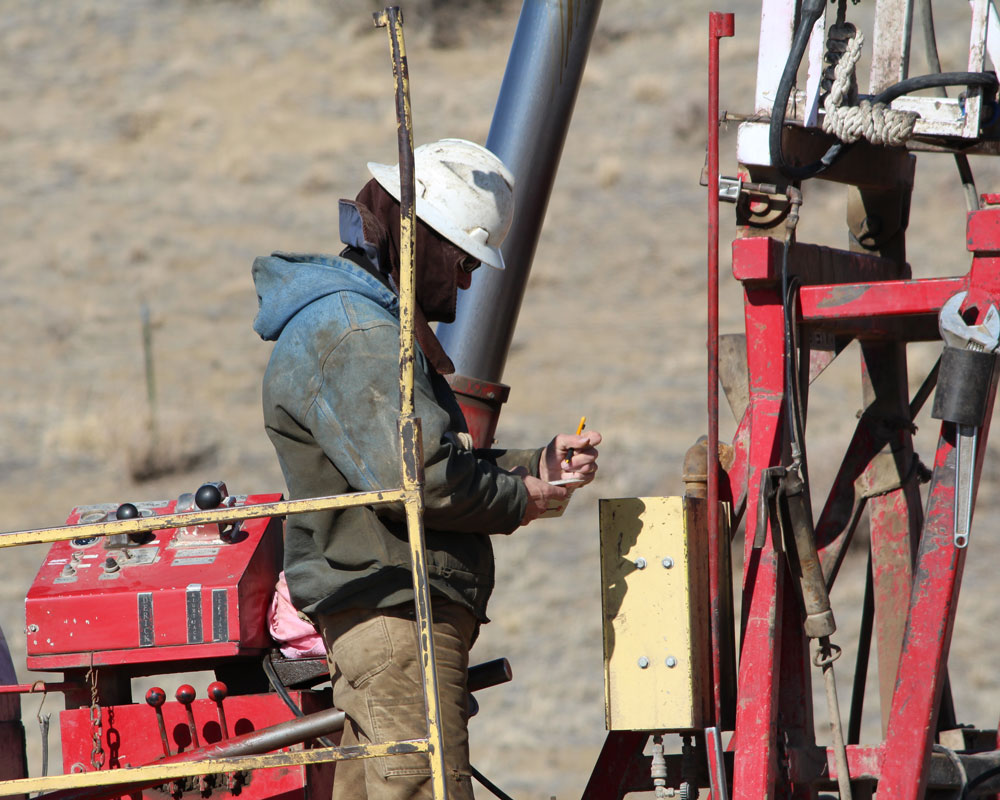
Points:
x=529 y=127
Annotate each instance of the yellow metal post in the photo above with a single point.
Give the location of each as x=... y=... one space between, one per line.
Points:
x=410 y=435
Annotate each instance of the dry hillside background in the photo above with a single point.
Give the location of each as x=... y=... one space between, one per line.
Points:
x=150 y=149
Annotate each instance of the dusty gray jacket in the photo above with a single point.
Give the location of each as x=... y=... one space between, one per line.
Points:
x=331 y=404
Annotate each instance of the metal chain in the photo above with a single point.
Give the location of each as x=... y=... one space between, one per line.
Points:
x=97 y=755
x=43 y=725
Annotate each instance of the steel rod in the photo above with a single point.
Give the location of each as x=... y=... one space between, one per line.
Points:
x=719 y=25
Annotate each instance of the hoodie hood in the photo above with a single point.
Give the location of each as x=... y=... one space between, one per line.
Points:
x=288 y=282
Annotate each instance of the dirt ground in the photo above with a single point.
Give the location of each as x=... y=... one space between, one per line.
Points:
x=151 y=149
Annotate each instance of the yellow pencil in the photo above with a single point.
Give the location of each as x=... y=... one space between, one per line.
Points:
x=579 y=430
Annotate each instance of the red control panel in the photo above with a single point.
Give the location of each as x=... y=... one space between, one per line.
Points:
x=181 y=594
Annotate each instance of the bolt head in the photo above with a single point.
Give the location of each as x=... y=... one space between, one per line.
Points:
x=668 y=562
x=643 y=662
x=671 y=662
x=640 y=563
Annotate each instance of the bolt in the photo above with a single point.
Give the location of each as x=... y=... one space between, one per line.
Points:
x=643 y=662
x=668 y=562
x=671 y=662
x=640 y=563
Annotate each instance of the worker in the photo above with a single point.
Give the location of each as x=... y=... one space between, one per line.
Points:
x=331 y=404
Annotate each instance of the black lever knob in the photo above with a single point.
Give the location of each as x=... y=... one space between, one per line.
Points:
x=208 y=496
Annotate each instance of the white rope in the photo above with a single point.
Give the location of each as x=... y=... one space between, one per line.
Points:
x=875 y=122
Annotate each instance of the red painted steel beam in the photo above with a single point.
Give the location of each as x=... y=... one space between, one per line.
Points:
x=755 y=770
x=758 y=260
x=811 y=765
x=937 y=575
x=883 y=299
x=620 y=768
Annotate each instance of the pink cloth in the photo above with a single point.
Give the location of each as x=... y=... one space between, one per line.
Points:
x=296 y=637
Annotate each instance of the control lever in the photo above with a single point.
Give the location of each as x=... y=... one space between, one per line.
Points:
x=185 y=696
x=218 y=692
x=129 y=511
x=155 y=699
x=213 y=495
x=119 y=540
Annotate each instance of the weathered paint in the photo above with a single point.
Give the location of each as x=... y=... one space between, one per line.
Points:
x=756 y=760
x=885 y=298
x=933 y=601
x=195 y=518
x=410 y=438
x=75 y=785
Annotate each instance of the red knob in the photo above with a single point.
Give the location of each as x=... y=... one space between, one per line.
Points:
x=185 y=694
x=156 y=697
x=218 y=691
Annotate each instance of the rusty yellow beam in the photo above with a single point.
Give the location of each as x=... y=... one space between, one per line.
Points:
x=162 y=773
x=410 y=433
x=192 y=518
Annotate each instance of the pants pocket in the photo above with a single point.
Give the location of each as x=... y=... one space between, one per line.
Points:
x=399 y=719
x=363 y=652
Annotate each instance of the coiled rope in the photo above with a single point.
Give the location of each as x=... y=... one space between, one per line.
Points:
x=874 y=122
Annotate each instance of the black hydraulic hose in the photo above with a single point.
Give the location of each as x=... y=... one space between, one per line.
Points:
x=279 y=687
x=811 y=11
x=985 y=79
x=934 y=62
x=486 y=782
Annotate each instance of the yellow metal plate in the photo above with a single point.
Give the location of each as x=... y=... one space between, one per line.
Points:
x=655 y=594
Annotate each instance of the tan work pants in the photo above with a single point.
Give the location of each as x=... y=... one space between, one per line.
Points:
x=375 y=671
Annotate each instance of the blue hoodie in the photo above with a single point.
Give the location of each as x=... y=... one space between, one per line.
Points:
x=331 y=406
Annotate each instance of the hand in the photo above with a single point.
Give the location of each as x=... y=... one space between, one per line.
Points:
x=570 y=457
x=539 y=494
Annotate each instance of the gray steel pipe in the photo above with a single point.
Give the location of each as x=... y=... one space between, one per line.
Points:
x=529 y=127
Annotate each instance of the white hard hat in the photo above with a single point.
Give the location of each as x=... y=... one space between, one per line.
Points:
x=464 y=192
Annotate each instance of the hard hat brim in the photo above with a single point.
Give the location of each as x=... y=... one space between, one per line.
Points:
x=388 y=178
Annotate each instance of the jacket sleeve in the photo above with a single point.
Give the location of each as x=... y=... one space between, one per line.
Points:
x=353 y=416
x=511 y=459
